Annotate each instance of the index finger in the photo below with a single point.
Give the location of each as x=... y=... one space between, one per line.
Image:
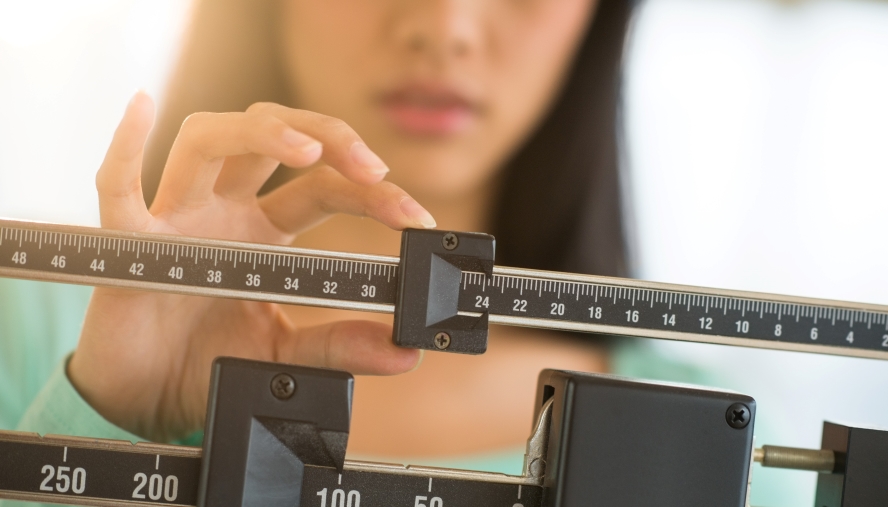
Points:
x=344 y=150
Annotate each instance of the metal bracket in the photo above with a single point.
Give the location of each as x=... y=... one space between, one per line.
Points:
x=538 y=443
x=265 y=422
x=431 y=270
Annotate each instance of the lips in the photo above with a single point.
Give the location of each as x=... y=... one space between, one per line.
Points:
x=429 y=110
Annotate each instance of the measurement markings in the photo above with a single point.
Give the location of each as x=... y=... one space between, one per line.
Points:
x=363 y=282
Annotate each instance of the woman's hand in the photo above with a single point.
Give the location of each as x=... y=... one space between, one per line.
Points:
x=144 y=358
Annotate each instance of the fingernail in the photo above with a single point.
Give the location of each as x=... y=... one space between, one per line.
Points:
x=136 y=93
x=417 y=213
x=139 y=96
x=300 y=141
x=419 y=361
x=361 y=154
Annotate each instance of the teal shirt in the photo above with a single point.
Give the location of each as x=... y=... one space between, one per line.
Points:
x=39 y=327
x=40 y=324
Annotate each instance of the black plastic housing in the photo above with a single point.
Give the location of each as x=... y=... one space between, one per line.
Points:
x=861 y=475
x=621 y=442
x=428 y=290
x=257 y=445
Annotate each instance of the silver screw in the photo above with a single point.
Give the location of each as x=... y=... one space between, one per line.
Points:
x=442 y=340
x=450 y=241
x=283 y=386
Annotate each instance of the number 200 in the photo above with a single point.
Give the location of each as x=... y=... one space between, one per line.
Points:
x=157 y=486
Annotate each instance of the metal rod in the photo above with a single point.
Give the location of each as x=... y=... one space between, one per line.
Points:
x=773 y=456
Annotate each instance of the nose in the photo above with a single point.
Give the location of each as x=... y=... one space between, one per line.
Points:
x=440 y=28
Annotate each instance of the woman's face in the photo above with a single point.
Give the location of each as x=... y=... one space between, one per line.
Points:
x=443 y=90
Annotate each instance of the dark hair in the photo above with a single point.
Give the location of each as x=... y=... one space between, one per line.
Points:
x=560 y=204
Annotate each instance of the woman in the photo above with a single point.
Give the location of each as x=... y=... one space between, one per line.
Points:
x=496 y=115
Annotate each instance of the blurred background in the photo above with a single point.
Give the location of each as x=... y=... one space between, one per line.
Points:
x=731 y=107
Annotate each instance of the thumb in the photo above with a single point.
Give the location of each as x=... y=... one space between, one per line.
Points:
x=359 y=347
x=119 y=180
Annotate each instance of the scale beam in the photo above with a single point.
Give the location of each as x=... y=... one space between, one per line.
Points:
x=106 y=473
x=510 y=296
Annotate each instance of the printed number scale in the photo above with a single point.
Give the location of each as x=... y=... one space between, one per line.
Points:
x=99 y=472
x=511 y=296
